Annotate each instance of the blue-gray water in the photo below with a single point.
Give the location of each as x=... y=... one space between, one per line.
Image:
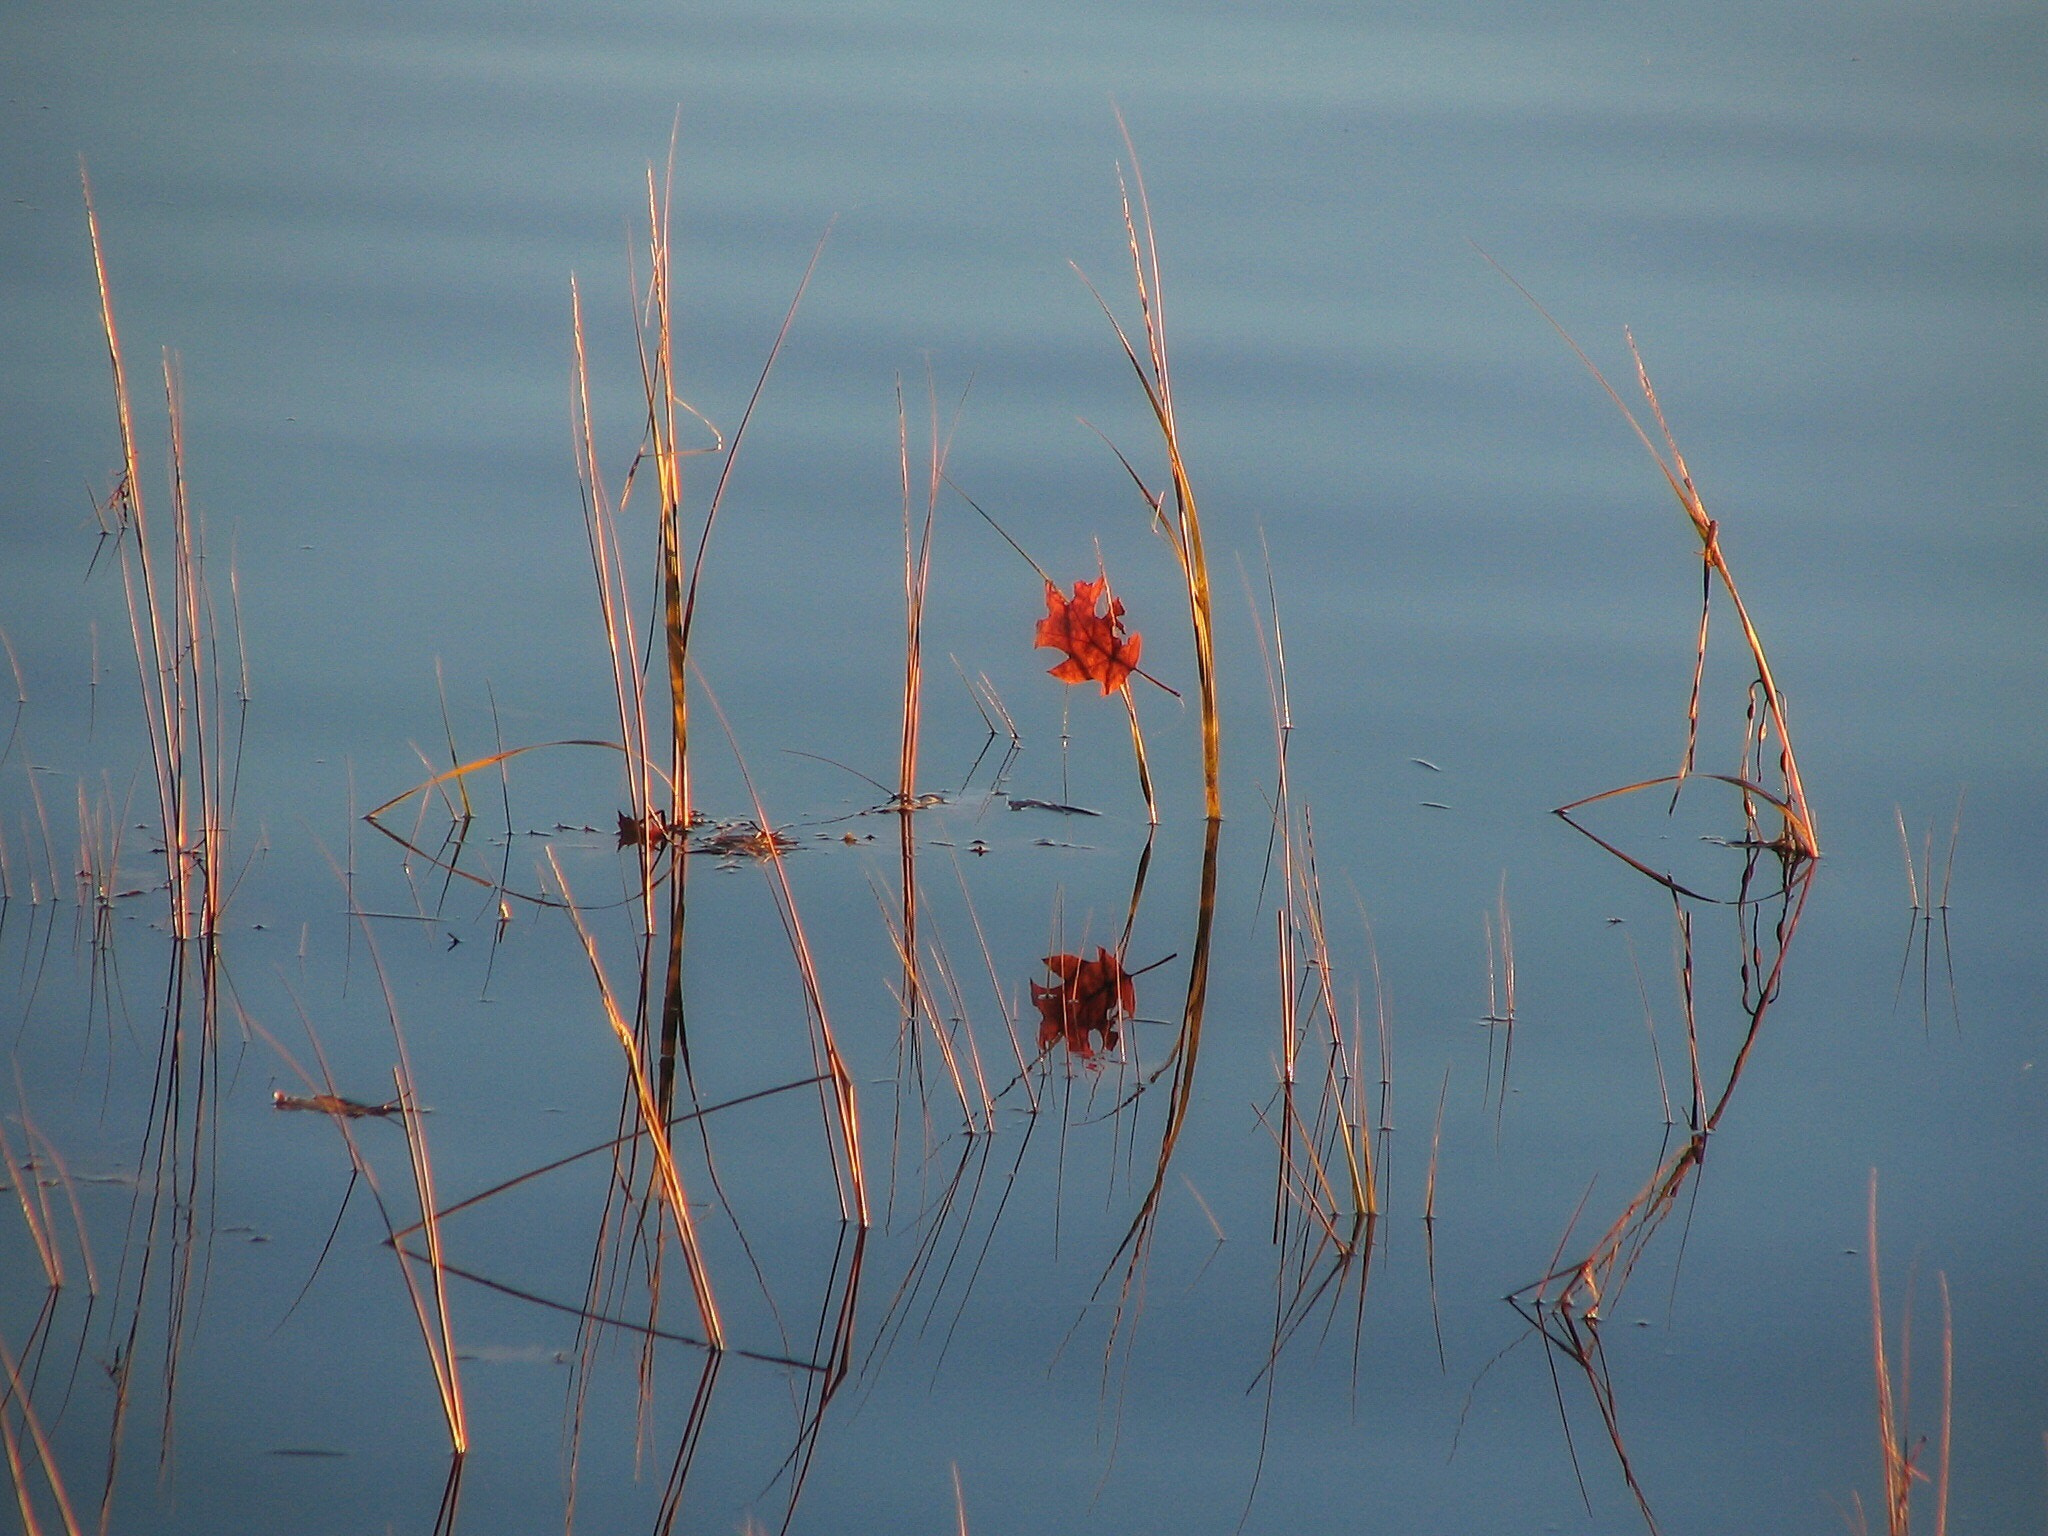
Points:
x=356 y=228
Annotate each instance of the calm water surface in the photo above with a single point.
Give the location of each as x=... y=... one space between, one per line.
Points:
x=355 y=227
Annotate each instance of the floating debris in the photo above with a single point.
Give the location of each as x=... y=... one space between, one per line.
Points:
x=514 y=1354
x=330 y=1104
x=742 y=839
x=896 y=802
x=1025 y=803
x=739 y=837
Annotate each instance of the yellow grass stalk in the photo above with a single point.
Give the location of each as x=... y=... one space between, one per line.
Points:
x=1308 y=974
x=129 y=509
x=1340 y=1075
x=1436 y=1140
x=1898 y=1456
x=46 y=1460
x=917 y=570
x=1798 y=826
x=1798 y=837
x=1138 y=752
x=176 y=648
x=441 y=1336
x=41 y=1148
x=1290 y=1029
x=609 y=565
x=1183 y=531
x=35 y=1209
x=434 y=1323
x=413 y=844
x=995 y=982
x=1607 y=1266
x=1894 y=1452
x=917 y=1009
x=941 y=966
x=1131 y=1253
x=1500 y=995
x=841 y=1102
x=652 y=1122
x=657 y=373
x=436 y=1327
x=20 y=698
x=1948 y=1397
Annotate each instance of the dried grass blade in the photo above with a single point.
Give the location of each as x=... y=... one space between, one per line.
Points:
x=651 y=1122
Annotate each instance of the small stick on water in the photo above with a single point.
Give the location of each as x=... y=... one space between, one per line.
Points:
x=332 y=1104
x=1436 y=1140
x=1436 y=1136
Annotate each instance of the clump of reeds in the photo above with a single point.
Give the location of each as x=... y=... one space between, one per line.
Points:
x=16 y=1404
x=1567 y=1302
x=186 y=664
x=648 y=1215
x=1898 y=1452
x=1183 y=529
x=919 y=1015
x=1795 y=838
x=663 y=822
x=651 y=734
x=1929 y=904
x=1327 y=1196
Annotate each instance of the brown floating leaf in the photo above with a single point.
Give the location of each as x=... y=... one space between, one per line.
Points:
x=650 y=833
x=1098 y=650
x=1087 y=998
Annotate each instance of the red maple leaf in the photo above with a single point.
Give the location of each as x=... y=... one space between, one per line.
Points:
x=1098 y=650
x=1088 y=997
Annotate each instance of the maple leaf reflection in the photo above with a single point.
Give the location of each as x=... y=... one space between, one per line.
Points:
x=1087 y=998
x=1098 y=650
